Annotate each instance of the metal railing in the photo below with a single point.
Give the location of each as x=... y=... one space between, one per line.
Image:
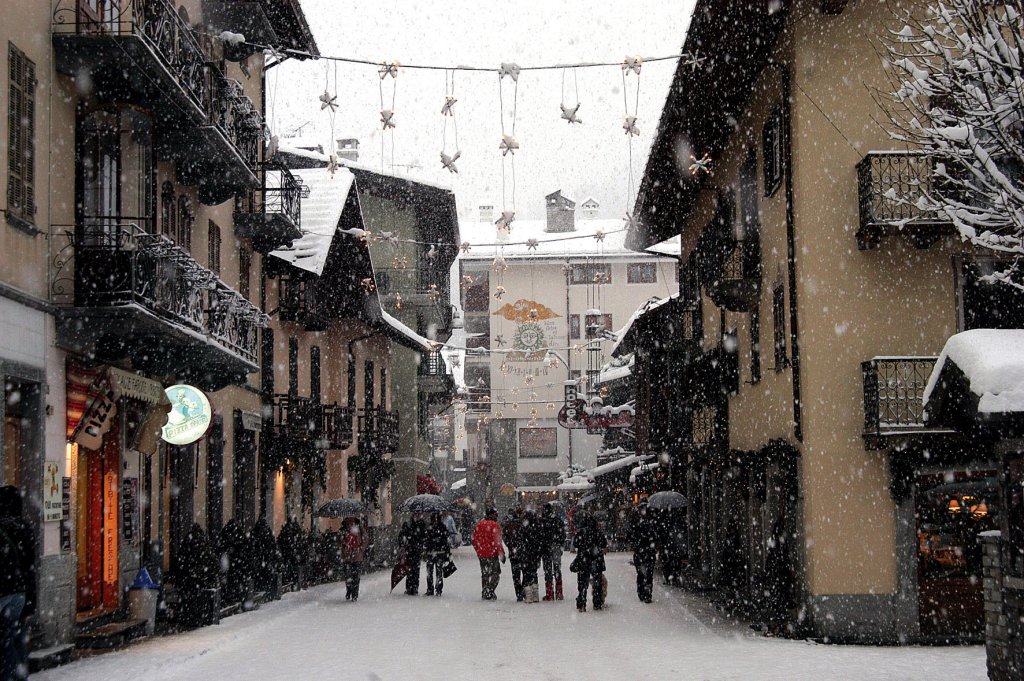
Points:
x=894 y=393
x=329 y=426
x=123 y=264
x=432 y=364
x=156 y=22
x=378 y=430
x=281 y=194
x=890 y=187
x=230 y=110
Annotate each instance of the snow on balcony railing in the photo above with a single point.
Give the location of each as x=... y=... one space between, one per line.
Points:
x=893 y=393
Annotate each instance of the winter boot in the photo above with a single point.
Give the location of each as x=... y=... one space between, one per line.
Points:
x=531 y=593
x=558 y=590
x=549 y=590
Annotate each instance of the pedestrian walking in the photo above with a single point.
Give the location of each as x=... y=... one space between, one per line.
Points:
x=532 y=545
x=512 y=531
x=644 y=539
x=553 y=533
x=17 y=584
x=410 y=539
x=353 y=552
x=437 y=551
x=487 y=543
x=590 y=544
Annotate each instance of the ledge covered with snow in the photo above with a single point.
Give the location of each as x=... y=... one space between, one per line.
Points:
x=992 y=361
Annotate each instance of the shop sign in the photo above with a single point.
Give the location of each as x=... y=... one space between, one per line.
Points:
x=251 y=421
x=110 y=567
x=97 y=417
x=130 y=508
x=190 y=415
x=65 y=519
x=52 y=507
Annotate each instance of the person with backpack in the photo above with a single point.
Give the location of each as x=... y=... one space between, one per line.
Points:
x=17 y=584
x=553 y=537
x=353 y=552
x=437 y=552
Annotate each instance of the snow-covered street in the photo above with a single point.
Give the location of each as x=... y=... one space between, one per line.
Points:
x=318 y=635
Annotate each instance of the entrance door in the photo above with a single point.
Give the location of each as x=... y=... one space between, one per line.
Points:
x=96 y=521
x=952 y=509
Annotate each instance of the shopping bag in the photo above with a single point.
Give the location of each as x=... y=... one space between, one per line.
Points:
x=449 y=568
x=574 y=566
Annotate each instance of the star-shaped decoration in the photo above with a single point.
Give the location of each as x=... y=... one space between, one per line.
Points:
x=499 y=264
x=599 y=235
x=510 y=69
x=386 y=118
x=332 y=164
x=531 y=244
x=449 y=161
x=465 y=246
x=508 y=145
x=390 y=237
x=631 y=221
x=499 y=292
x=632 y=64
x=388 y=69
x=694 y=60
x=700 y=164
x=328 y=100
x=398 y=301
x=629 y=125
x=499 y=340
x=569 y=114
x=467 y=280
x=449 y=102
x=400 y=263
x=369 y=285
x=433 y=294
x=505 y=221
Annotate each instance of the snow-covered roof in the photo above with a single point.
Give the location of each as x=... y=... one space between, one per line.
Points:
x=671 y=247
x=577 y=483
x=618 y=464
x=992 y=360
x=590 y=199
x=366 y=167
x=576 y=244
x=304 y=144
x=403 y=330
x=619 y=367
x=641 y=470
x=321 y=211
x=459 y=484
x=650 y=304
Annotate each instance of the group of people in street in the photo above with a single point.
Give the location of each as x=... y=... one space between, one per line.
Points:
x=429 y=540
x=534 y=542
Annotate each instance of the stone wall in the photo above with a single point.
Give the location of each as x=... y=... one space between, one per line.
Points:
x=1004 y=637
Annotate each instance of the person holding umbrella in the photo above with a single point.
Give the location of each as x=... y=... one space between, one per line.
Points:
x=437 y=552
x=411 y=539
x=487 y=543
x=353 y=552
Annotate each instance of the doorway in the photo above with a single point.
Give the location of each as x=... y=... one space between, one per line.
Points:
x=952 y=509
x=96 y=522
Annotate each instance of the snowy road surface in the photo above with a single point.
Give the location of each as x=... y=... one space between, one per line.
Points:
x=316 y=634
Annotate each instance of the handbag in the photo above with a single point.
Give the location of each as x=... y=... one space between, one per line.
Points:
x=449 y=568
x=574 y=566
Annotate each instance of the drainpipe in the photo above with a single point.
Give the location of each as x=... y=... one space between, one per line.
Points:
x=787 y=162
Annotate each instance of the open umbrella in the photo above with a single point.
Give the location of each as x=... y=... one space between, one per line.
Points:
x=342 y=508
x=425 y=503
x=400 y=571
x=666 y=500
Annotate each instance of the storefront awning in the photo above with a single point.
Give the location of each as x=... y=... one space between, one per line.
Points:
x=127 y=384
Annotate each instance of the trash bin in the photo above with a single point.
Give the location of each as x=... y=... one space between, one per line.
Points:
x=143 y=595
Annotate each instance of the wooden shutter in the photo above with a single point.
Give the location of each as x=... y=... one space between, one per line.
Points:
x=21 y=136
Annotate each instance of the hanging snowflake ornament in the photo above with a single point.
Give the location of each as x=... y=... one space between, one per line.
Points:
x=629 y=125
x=508 y=145
x=499 y=292
x=449 y=161
x=398 y=301
x=569 y=114
x=390 y=237
x=447 y=109
x=631 y=221
x=499 y=265
x=369 y=285
x=510 y=69
x=400 y=262
x=433 y=294
x=632 y=65
x=505 y=220
x=467 y=280
x=599 y=235
x=328 y=100
x=388 y=69
x=700 y=164
x=465 y=246
x=694 y=60
x=499 y=340
x=387 y=118
x=531 y=244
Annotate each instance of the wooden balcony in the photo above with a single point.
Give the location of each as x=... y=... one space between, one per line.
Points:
x=272 y=216
x=378 y=431
x=305 y=420
x=889 y=186
x=894 y=397
x=125 y=293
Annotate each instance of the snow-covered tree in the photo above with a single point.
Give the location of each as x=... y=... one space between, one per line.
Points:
x=957 y=94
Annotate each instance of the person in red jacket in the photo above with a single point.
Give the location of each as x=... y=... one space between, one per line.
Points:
x=487 y=542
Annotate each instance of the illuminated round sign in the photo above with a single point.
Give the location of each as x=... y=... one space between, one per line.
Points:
x=190 y=415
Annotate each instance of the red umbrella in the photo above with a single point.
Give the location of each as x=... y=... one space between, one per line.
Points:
x=400 y=571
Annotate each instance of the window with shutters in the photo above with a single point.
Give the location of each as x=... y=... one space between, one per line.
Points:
x=214 y=248
x=244 y=271
x=168 y=210
x=21 y=207
x=779 y=326
x=574 y=326
x=642 y=273
x=186 y=219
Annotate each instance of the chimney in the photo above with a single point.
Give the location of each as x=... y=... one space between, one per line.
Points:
x=590 y=207
x=487 y=213
x=561 y=213
x=348 y=149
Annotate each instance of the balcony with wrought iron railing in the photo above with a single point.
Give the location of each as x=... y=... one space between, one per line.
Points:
x=378 y=431
x=890 y=188
x=124 y=292
x=894 y=396
x=304 y=419
x=729 y=260
x=272 y=215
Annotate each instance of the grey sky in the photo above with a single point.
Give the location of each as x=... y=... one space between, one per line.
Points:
x=583 y=160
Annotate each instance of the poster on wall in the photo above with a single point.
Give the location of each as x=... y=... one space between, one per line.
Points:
x=535 y=328
x=53 y=509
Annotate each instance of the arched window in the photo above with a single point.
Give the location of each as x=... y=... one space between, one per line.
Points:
x=186 y=220
x=168 y=210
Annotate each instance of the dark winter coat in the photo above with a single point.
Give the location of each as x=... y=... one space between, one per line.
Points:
x=590 y=544
x=436 y=544
x=512 y=532
x=411 y=539
x=552 y=531
x=17 y=550
x=644 y=538
x=532 y=539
